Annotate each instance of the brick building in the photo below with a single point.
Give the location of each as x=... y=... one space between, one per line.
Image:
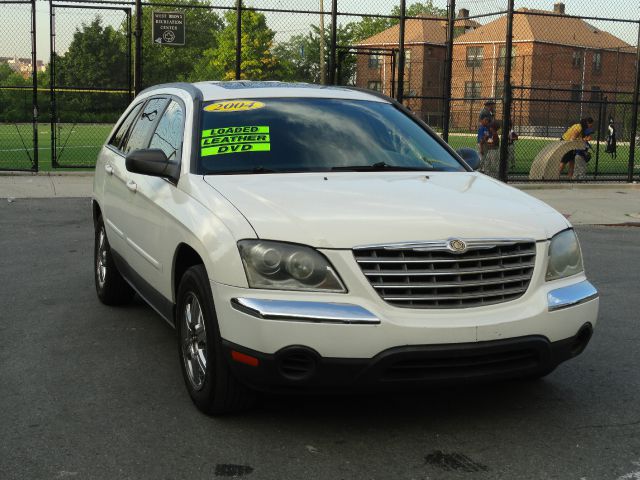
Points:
x=425 y=52
x=561 y=66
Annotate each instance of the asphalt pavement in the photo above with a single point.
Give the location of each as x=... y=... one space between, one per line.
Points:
x=95 y=392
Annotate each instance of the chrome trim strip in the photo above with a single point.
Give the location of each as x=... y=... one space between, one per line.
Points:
x=442 y=245
x=571 y=296
x=156 y=264
x=316 y=312
x=119 y=232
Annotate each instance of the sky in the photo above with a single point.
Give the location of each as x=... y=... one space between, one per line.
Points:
x=17 y=41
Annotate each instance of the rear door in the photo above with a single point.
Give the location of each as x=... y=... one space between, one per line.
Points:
x=111 y=177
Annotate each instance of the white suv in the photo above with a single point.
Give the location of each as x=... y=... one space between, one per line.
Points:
x=304 y=238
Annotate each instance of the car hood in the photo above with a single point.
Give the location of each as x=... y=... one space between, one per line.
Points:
x=347 y=209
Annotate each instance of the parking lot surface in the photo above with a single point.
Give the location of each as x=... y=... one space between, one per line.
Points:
x=89 y=391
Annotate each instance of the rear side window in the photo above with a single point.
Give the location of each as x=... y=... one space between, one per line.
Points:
x=140 y=133
x=168 y=135
x=120 y=135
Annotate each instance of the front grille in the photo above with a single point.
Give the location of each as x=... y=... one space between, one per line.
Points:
x=419 y=278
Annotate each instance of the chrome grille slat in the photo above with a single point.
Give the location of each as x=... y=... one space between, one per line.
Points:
x=460 y=296
x=498 y=281
x=414 y=277
x=461 y=271
x=441 y=260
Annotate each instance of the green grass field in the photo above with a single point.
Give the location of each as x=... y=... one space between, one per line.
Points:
x=78 y=146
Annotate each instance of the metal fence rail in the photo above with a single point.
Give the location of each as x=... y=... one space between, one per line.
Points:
x=545 y=69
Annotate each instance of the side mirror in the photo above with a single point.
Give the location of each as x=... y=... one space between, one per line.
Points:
x=470 y=156
x=152 y=162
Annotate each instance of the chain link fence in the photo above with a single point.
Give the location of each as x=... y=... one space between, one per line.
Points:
x=18 y=132
x=535 y=69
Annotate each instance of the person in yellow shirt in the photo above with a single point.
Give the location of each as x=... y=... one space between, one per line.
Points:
x=575 y=132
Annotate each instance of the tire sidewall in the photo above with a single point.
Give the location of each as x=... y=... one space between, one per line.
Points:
x=109 y=261
x=195 y=281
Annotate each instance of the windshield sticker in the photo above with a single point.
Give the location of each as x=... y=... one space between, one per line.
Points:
x=218 y=141
x=233 y=106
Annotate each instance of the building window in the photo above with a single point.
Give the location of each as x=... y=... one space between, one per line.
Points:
x=596 y=94
x=597 y=61
x=375 y=60
x=475 y=56
x=503 y=54
x=576 y=59
x=499 y=91
x=375 y=85
x=575 y=92
x=472 y=90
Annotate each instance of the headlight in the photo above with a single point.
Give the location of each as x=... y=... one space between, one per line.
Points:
x=285 y=266
x=565 y=258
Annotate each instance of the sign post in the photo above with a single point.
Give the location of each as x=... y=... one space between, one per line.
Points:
x=168 y=28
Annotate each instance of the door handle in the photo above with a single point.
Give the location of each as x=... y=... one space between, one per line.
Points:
x=131 y=185
x=108 y=168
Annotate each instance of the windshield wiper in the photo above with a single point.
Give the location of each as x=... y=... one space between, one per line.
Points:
x=259 y=169
x=380 y=167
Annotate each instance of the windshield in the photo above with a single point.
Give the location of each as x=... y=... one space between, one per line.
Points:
x=315 y=135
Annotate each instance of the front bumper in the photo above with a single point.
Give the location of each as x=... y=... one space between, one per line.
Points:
x=301 y=369
x=360 y=324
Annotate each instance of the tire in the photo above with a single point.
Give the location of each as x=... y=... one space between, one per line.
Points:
x=207 y=375
x=111 y=288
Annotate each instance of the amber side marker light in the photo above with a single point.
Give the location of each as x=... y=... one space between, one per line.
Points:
x=246 y=359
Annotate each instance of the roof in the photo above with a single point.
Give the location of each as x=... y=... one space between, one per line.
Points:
x=428 y=30
x=549 y=28
x=239 y=89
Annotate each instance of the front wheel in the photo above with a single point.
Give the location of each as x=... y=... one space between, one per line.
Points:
x=209 y=381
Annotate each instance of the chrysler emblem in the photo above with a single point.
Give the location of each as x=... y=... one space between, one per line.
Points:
x=457 y=246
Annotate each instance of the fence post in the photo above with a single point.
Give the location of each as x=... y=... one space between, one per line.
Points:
x=403 y=13
x=52 y=82
x=634 y=113
x=334 y=39
x=448 y=66
x=34 y=74
x=392 y=93
x=506 y=111
x=238 y=39
x=137 y=68
x=129 y=76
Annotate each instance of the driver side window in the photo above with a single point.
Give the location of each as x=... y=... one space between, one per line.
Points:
x=168 y=134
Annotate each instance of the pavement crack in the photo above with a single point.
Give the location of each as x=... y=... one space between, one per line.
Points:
x=610 y=425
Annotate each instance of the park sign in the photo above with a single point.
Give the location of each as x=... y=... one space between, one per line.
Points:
x=168 y=28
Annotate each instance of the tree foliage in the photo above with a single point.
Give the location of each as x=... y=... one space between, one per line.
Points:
x=369 y=26
x=257 y=60
x=300 y=56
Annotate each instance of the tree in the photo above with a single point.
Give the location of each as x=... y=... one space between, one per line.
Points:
x=15 y=104
x=96 y=59
x=369 y=26
x=257 y=61
x=300 y=56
